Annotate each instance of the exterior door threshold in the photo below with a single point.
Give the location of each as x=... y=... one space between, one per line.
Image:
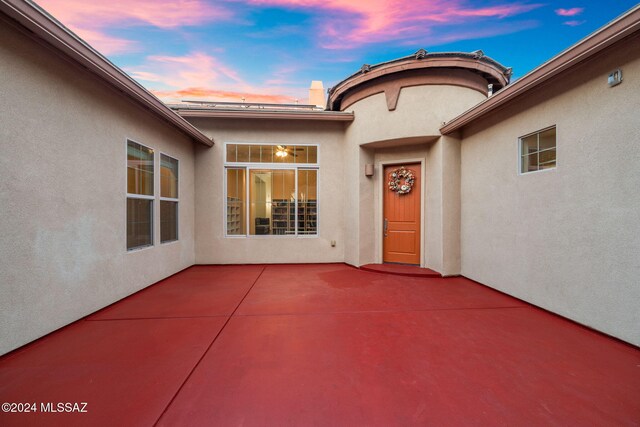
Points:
x=401 y=270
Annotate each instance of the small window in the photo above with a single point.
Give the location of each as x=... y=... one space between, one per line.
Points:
x=140 y=195
x=307 y=196
x=244 y=153
x=538 y=151
x=168 y=199
x=236 y=198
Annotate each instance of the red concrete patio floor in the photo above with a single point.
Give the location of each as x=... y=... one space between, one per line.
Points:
x=322 y=345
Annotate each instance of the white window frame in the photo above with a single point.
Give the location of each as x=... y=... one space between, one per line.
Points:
x=520 y=154
x=249 y=166
x=170 y=199
x=140 y=196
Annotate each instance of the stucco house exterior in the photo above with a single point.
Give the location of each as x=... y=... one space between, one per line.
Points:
x=532 y=189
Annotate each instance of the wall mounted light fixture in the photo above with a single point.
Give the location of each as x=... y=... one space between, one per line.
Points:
x=368 y=170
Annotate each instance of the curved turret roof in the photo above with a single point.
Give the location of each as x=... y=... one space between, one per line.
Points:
x=421 y=62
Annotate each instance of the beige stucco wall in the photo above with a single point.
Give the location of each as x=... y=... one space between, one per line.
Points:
x=566 y=239
x=62 y=193
x=212 y=247
x=451 y=205
x=420 y=112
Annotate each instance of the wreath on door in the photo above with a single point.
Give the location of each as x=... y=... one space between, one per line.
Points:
x=397 y=177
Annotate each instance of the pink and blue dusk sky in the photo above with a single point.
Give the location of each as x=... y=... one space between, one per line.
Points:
x=271 y=50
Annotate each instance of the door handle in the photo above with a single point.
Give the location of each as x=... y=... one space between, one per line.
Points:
x=386 y=226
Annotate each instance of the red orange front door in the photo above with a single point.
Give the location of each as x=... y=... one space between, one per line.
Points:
x=401 y=241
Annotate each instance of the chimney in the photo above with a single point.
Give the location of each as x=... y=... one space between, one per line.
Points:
x=316 y=94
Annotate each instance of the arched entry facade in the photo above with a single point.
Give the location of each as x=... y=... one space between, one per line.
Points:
x=399 y=107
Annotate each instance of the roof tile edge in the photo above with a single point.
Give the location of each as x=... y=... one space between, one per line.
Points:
x=477 y=62
x=238 y=113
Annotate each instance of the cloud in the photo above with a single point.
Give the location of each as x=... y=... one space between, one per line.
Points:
x=91 y=19
x=199 y=94
x=339 y=24
x=569 y=12
x=490 y=12
x=105 y=44
x=283 y=74
x=201 y=76
x=196 y=69
x=159 y=13
x=347 y=25
x=495 y=30
x=573 y=23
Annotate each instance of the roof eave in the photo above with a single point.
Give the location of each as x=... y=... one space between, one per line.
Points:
x=42 y=26
x=274 y=115
x=596 y=42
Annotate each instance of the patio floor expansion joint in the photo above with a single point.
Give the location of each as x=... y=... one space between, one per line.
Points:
x=209 y=347
x=156 y=318
x=416 y=310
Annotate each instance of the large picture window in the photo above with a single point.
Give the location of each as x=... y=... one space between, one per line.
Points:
x=168 y=199
x=140 y=195
x=538 y=151
x=277 y=196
